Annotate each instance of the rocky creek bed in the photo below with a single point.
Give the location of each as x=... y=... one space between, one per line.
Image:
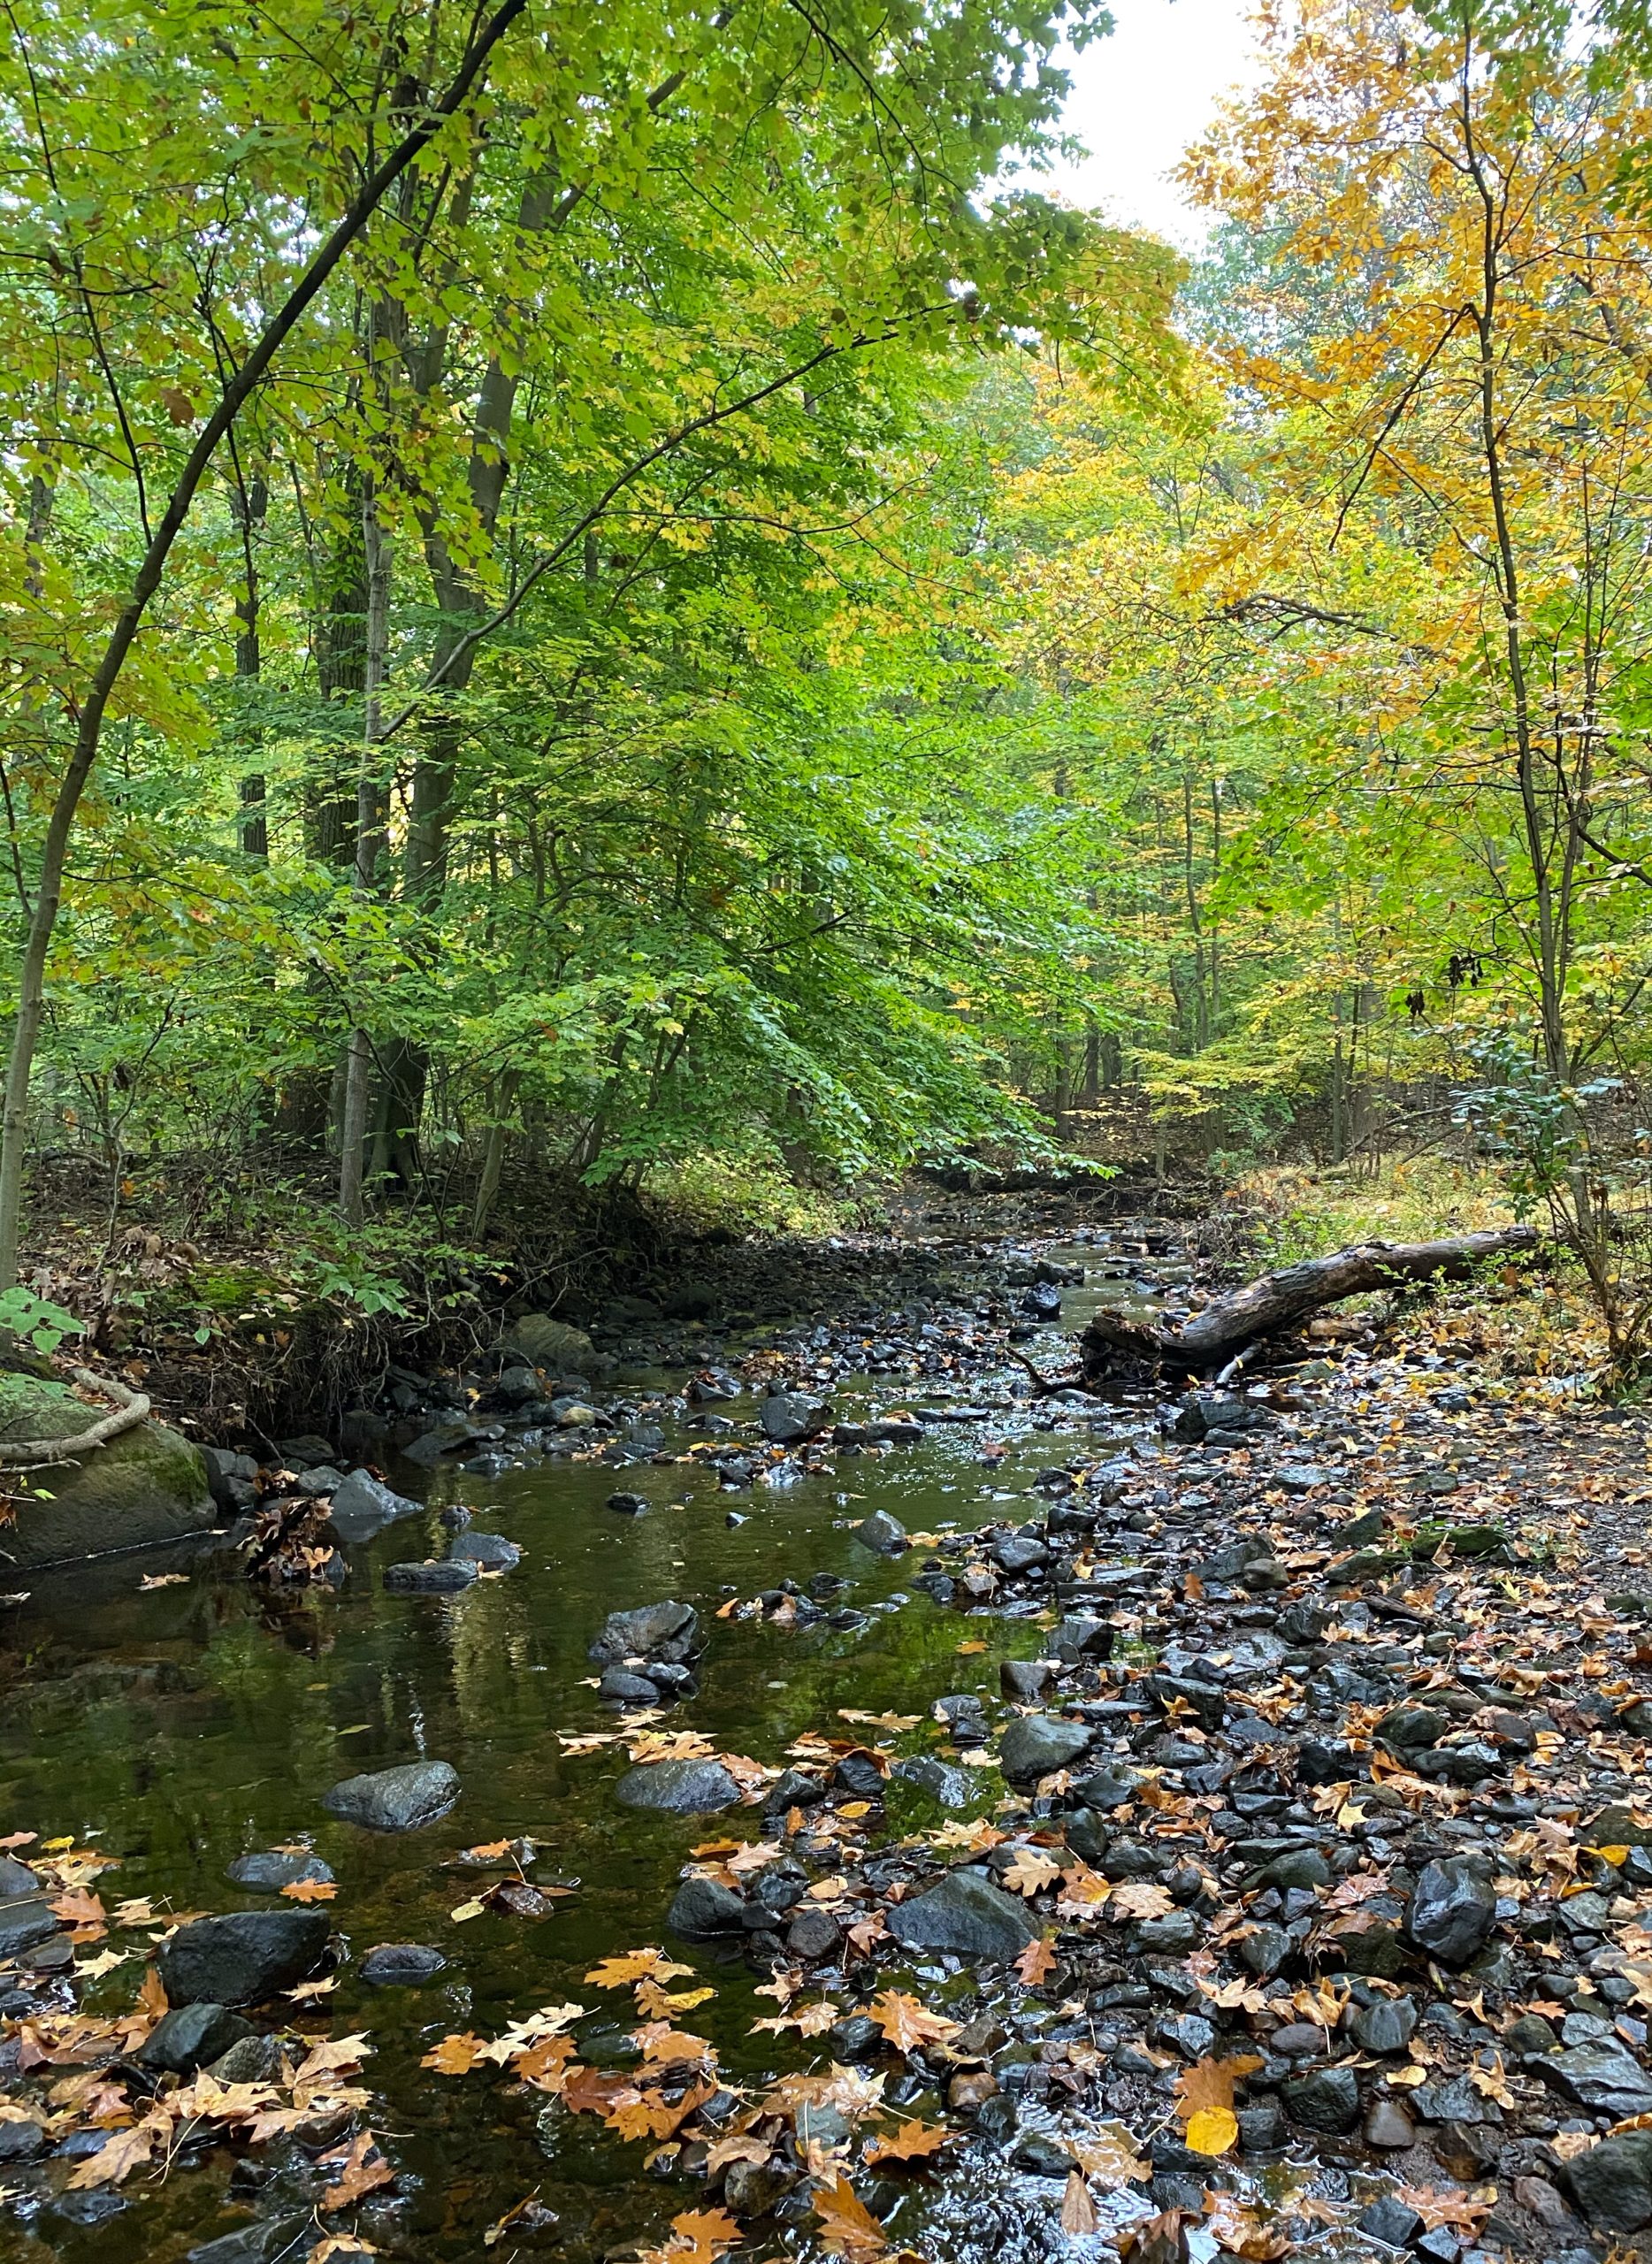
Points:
x=808 y=1790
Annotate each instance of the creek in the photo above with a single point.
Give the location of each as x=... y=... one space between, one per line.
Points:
x=181 y=1726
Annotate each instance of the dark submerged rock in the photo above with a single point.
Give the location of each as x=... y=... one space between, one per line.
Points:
x=402 y=1965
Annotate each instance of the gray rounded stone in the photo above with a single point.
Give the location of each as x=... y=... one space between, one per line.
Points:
x=965 y=1912
x=678 y=1787
x=1327 y=2100
x=1452 y=1909
x=1037 y=1744
x=395 y=1800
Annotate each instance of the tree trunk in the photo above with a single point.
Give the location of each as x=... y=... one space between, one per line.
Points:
x=1277 y=1301
x=358 y=1059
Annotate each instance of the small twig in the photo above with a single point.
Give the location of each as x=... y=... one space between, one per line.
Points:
x=1044 y=1384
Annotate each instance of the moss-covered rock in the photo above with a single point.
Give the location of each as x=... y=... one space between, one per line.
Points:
x=149 y=1484
x=552 y=1344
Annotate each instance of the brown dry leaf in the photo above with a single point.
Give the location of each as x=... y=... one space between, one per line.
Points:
x=907 y=2024
x=344 y=2243
x=698 y=2237
x=1078 y=2211
x=1036 y=1963
x=1209 y=2084
x=741 y=2147
x=125 y=2152
x=77 y=1908
x=1240 y=2232
x=1031 y=1871
x=1111 y=2154
x=1139 y=1898
x=311 y=1890
x=847 y=2226
x=362 y=2170
x=490 y=1851
x=910 y=2143
x=1157 y=2240
x=666 y=2046
x=455 y=2055
x=1461 y=2212
x=813 y=2020
x=330 y=2056
x=969 y=1650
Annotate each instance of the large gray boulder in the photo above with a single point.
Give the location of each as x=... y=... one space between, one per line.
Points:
x=147 y=1485
x=965 y=1912
x=242 y=1958
x=395 y=1800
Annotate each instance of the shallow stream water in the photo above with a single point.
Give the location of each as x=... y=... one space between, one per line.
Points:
x=184 y=1725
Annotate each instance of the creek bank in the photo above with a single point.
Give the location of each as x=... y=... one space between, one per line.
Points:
x=147 y=1485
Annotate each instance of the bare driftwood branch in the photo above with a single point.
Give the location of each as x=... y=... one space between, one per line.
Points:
x=131 y=1408
x=1227 y=1325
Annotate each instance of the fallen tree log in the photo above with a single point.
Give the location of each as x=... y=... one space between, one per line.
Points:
x=1227 y=1325
x=131 y=1408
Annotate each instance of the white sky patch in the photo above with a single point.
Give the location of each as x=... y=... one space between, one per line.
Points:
x=1140 y=97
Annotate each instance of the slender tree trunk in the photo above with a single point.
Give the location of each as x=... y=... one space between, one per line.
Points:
x=369 y=828
x=493 y=1153
x=249 y=502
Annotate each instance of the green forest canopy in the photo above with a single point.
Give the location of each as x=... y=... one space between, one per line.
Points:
x=592 y=586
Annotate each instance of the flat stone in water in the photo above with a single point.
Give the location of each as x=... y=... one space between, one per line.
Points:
x=436 y=1576
x=651 y=1630
x=678 y=1787
x=402 y=1965
x=1602 y=2077
x=269 y=1873
x=1612 y=2183
x=491 y=1549
x=702 y=1908
x=16 y=1878
x=243 y=1958
x=967 y=1914
x=395 y=1800
x=189 y=2036
x=25 y=1923
x=1326 y=2101
x=1387 y=2026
